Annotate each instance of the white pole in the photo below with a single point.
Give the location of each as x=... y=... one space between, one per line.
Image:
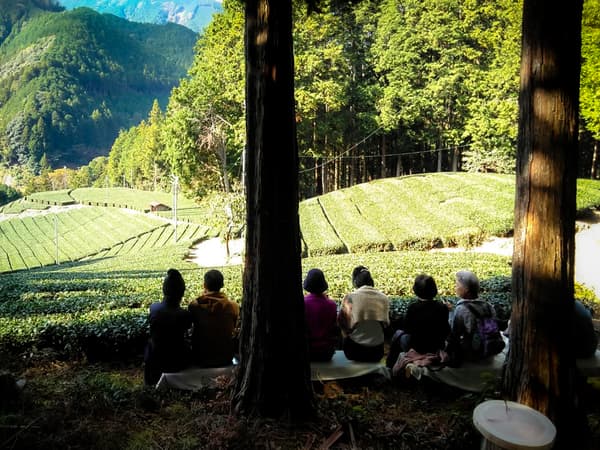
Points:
x=175 y=180
x=56 y=237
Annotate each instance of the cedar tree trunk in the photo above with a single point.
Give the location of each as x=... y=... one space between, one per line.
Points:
x=540 y=370
x=274 y=373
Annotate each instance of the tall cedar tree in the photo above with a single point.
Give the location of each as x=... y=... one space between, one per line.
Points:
x=541 y=366
x=274 y=374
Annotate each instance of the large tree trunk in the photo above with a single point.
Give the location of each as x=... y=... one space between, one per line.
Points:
x=541 y=364
x=274 y=372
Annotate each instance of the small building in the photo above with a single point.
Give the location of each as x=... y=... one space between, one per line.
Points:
x=157 y=206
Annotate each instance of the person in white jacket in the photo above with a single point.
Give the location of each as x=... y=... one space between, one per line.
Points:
x=362 y=318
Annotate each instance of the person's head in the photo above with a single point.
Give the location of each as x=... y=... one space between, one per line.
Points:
x=467 y=284
x=315 y=282
x=213 y=281
x=173 y=286
x=425 y=287
x=362 y=277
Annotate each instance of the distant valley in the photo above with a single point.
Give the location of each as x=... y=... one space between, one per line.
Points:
x=193 y=14
x=70 y=80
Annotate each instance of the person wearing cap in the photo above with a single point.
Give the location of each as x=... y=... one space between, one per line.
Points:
x=362 y=318
x=321 y=317
x=215 y=319
x=167 y=349
x=425 y=326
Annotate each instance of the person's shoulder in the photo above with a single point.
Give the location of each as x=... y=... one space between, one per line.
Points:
x=234 y=306
x=194 y=304
x=154 y=306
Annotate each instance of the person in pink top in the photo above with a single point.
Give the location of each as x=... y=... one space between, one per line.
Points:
x=321 y=317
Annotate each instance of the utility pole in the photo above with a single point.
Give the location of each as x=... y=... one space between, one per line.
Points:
x=56 y=237
x=175 y=183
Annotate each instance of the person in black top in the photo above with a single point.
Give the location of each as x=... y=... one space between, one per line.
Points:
x=167 y=349
x=425 y=327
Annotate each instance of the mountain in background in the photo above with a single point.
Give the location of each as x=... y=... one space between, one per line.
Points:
x=70 y=80
x=194 y=14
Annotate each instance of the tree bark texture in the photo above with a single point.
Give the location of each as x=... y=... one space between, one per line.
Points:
x=274 y=373
x=540 y=366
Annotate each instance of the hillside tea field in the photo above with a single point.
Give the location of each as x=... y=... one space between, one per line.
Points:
x=99 y=307
x=74 y=234
x=113 y=259
x=417 y=212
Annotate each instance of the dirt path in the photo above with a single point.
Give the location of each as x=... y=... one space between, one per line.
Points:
x=587 y=256
x=213 y=253
x=587 y=251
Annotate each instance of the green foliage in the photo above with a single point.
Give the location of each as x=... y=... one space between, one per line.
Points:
x=315 y=227
x=204 y=127
x=588 y=194
x=69 y=81
x=590 y=68
x=417 y=212
x=8 y=194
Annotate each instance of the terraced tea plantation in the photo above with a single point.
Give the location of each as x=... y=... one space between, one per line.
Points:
x=85 y=232
x=418 y=212
x=113 y=260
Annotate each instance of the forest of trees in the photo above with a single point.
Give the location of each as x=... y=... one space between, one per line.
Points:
x=70 y=80
x=382 y=88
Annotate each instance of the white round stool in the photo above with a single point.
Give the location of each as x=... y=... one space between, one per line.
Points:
x=513 y=426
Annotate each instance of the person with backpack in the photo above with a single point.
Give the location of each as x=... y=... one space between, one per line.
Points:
x=475 y=334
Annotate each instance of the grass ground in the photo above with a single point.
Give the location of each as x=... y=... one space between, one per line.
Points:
x=78 y=405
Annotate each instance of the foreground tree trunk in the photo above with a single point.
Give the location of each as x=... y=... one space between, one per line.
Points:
x=540 y=370
x=274 y=374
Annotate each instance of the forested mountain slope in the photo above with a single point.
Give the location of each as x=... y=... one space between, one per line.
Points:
x=193 y=14
x=70 y=80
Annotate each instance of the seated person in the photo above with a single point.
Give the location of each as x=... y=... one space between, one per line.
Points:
x=167 y=349
x=362 y=317
x=585 y=339
x=215 y=320
x=474 y=332
x=321 y=315
x=425 y=326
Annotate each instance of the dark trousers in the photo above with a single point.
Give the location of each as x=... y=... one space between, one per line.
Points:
x=358 y=352
x=321 y=356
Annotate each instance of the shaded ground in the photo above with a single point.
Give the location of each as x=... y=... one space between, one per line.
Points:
x=77 y=405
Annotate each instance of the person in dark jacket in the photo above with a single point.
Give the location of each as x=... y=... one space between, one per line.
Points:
x=215 y=319
x=470 y=309
x=167 y=349
x=425 y=326
x=585 y=339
